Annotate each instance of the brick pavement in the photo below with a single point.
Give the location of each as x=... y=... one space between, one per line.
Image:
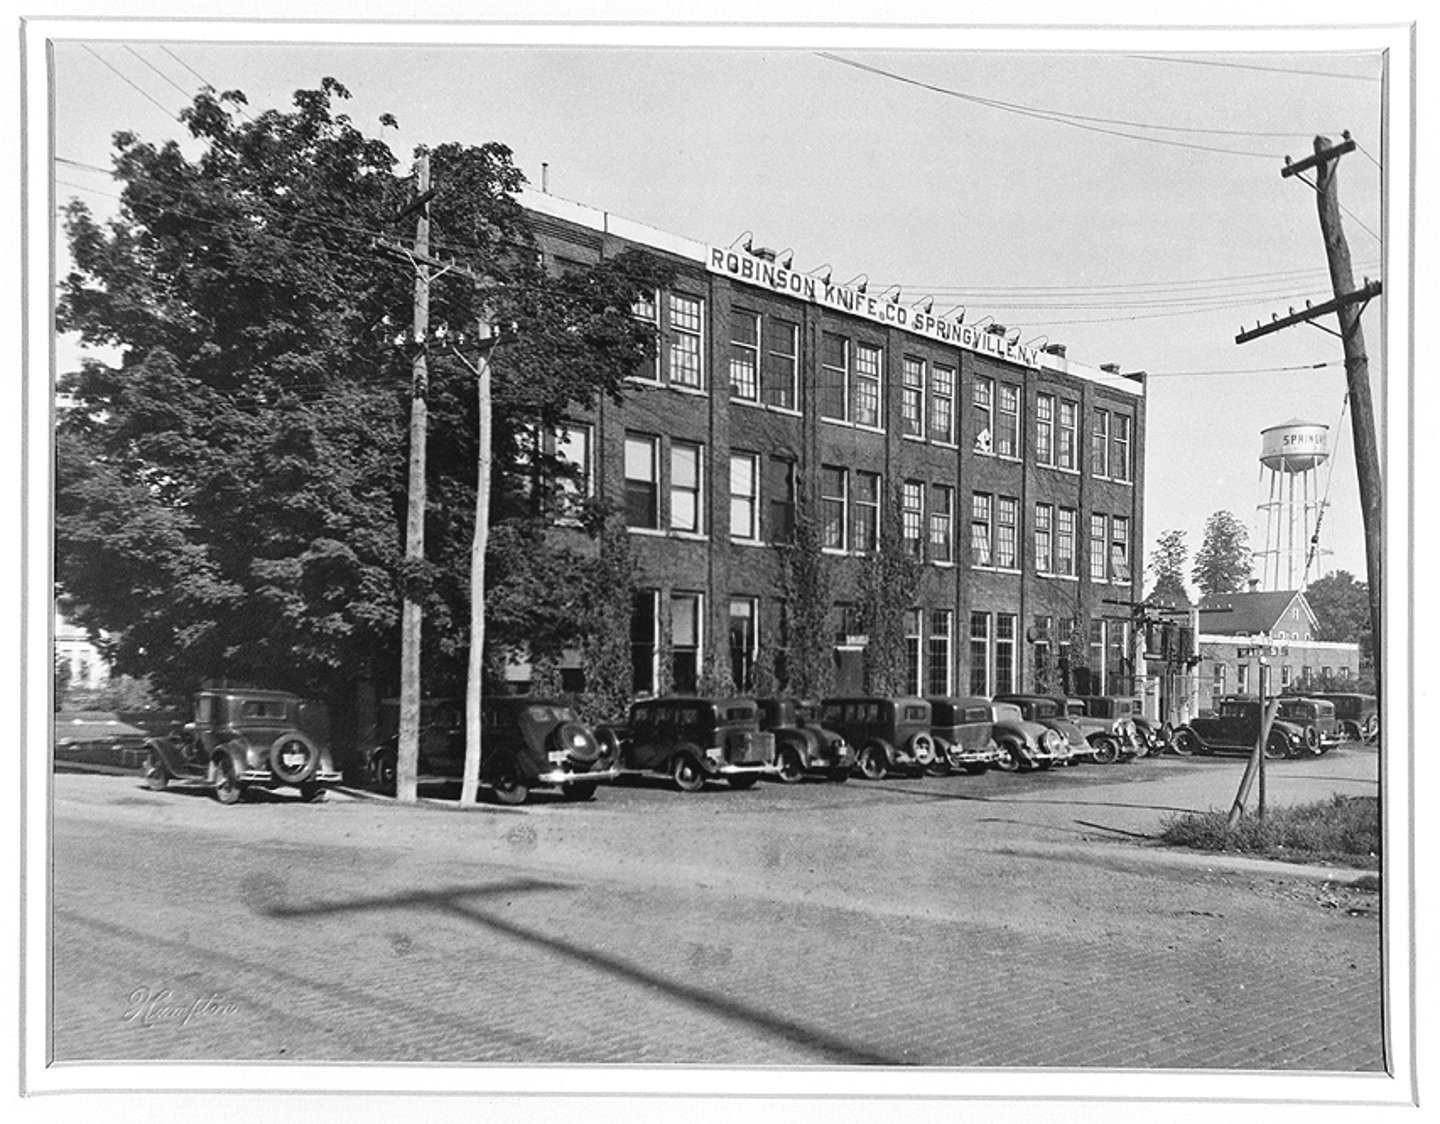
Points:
x=410 y=936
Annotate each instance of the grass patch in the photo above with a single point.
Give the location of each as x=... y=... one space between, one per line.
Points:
x=1343 y=829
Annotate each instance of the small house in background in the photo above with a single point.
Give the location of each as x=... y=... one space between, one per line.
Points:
x=1237 y=629
x=87 y=668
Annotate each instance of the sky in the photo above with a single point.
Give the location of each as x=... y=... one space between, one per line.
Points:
x=1120 y=195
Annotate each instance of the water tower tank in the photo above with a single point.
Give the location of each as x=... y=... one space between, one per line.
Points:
x=1295 y=446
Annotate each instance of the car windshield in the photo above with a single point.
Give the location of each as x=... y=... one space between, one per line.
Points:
x=544 y=714
x=262 y=708
x=1233 y=710
x=1044 y=708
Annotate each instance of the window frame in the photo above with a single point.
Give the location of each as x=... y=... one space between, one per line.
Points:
x=676 y=334
x=861 y=382
x=752 y=496
x=739 y=315
x=1045 y=429
x=830 y=505
x=697 y=492
x=633 y=438
x=1007 y=422
x=942 y=517
x=1067 y=434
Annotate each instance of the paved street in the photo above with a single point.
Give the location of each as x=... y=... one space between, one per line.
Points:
x=968 y=921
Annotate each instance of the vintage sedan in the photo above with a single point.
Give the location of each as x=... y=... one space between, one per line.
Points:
x=802 y=743
x=1357 y=715
x=1235 y=728
x=1109 y=725
x=964 y=733
x=890 y=734
x=1024 y=745
x=1051 y=712
x=98 y=739
x=693 y=740
x=525 y=743
x=1316 y=714
x=244 y=738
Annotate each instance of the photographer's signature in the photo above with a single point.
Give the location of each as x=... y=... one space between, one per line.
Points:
x=156 y=1006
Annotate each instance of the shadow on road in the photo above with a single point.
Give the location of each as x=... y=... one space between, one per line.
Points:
x=455 y=901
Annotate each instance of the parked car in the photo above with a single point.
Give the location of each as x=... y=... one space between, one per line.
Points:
x=1024 y=745
x=98 y=738
x=692 y=740
x=1357 y=715
x=243 y=738
x=802 y=743
x=1109 y=725
x=890 y=735
x=1235 y=727
x=1312 y=713
x=1155 y=735
x=1051 y=712
x=964 y=733
x=526 y=743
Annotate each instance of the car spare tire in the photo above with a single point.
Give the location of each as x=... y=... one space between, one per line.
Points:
x=577 y=741
x=294 y=758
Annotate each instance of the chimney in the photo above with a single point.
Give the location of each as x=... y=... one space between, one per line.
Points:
x=1254 y=585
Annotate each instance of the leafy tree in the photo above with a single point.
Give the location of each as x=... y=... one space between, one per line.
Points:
x=1222 y=564
x=805 y=593
x=1342 y=610
x=1167 y=567
x=230 y=495
x=605 y=624
x=889 y=581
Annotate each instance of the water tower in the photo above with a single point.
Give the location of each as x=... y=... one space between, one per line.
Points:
x=1290 y=458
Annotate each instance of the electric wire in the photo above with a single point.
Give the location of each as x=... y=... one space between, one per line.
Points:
x=1253 y=66
x=168 y=113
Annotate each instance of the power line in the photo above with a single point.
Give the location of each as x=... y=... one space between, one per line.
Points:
x=1075 y=121
x=157 y=70
x=239 y=108
x=1243 y=371
x=132 y=85
x=1252 y=66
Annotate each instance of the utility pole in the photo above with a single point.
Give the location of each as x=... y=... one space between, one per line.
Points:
x=1348 y=304
x=408 y=758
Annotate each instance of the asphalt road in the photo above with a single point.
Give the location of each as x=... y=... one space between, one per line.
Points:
x=993 y=921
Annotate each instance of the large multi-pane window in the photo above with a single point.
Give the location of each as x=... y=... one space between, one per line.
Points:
x=834 y=376
x=642 y=485
x=981 y=524
x=1117 y=646
x=644 y=639
x=867 y=386
x=1097 y=652
x=1007 y=512
x=685 y=639
x=647 y=310
x=1120 y=549
x=865 y=523
x=1065 y=541
x=575 y=475
x=1045 y=428
x=1100 y=444
x=744 y=496
x=782 y=354
x=1004 y=653
x=744 y=642
x=745 y=355
x=1067 y=435
x=686 y=495
x=1007 y=421
x=912 y=515
x=942 y=404
x=912 y=651
x=686 y=326
x=1097 y=548
x=942 y=520
x=833 y=502
x=1044 y=538
x=938 y=662
x=1217 y=680
x=980 y=653
x=780 y=487
x=982 y=415
x=912 y=397
x=1120 y=447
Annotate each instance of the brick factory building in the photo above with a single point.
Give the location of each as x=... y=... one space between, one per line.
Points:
x=1019 y=473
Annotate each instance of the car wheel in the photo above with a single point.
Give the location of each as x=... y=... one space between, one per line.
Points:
x=1371 y=730
x=1046 y=763
x=873 y=762
x=155 y=773
x=1184 y=742
x=1277 y=746
x=294 y=758
x=1107 y=751
x=1010 y=760
x=840 y=775
x=687 y=773
x=228 y=788
x=792 y=768
x=312 y=792
x=742 y=781
x=506 y=782
x=382 y=774
x=579 y=790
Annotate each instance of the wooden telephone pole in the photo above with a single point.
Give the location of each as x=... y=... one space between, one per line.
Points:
x=1348 y=304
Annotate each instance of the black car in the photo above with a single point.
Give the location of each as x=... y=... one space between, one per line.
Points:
x=802 y=744
x=889 y=734
x=1235 y=728
x=244 y=738
x=692 y=740
x=1357 y=715
x=525 y=743
x=964 y=733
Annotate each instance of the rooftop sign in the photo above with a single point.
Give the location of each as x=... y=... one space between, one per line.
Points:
x=758 y=271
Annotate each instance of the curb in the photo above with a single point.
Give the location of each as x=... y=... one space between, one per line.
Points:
x=1200 y=862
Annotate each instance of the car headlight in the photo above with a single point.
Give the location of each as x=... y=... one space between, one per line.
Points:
x=1052 y=740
